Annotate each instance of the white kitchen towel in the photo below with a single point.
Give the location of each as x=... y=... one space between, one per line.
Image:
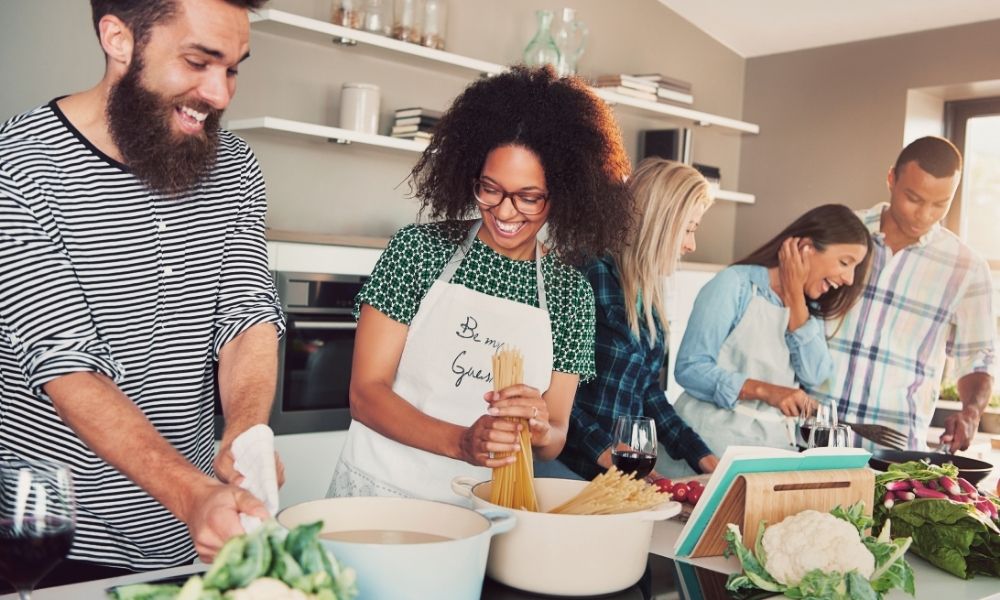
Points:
x=253 y=454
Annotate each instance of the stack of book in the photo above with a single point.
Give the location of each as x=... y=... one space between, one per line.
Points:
x=415 y=123
x=651 y=86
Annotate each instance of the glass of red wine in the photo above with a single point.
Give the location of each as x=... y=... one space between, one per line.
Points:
x=633 y=445
x=37 y=520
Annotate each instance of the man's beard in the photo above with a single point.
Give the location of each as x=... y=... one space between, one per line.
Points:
x=140 y=124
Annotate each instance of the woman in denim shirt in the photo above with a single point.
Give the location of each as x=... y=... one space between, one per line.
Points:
x=756 y=337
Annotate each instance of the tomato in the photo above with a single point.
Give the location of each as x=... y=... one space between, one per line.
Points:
x=695 y=484
x=664 y=484
x=693 y=495
x=680 y=492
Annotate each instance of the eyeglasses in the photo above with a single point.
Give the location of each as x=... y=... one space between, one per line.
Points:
x=490 y=195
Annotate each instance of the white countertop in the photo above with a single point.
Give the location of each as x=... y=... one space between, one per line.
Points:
x=931 y=583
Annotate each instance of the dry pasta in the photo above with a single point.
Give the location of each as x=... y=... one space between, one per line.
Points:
x=611 y=493
x=513 y=484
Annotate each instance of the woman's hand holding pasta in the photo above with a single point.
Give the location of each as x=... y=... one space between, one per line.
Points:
x=523 y=402
x=483 y=442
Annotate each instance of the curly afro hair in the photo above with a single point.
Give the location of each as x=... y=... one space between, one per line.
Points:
x=571 y=131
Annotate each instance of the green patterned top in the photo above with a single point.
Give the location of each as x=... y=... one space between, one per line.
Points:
x=416 y=255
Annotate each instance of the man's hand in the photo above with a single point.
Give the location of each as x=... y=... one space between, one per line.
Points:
x=974 y=391
x=959 y=429
x=226 y=472
x=212 y=516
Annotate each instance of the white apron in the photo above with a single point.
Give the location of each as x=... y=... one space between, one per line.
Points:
x=757 y=348
x=444 y=370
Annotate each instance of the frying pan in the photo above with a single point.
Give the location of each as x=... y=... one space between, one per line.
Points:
x=970 y=469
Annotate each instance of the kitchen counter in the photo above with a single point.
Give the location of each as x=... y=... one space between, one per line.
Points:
x=931 y=582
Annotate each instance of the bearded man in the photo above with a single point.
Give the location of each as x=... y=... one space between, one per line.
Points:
x=134 y=268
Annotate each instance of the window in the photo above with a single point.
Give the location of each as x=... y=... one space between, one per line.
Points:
x=974 y=126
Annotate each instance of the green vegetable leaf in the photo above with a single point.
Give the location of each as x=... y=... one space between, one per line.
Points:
x=752 y=568
x=817 y=584
x=855 y=515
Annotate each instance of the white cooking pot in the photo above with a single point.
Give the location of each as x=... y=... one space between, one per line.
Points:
x=444 y=570
x=567 y=555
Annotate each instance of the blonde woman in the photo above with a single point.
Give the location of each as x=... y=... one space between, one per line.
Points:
x=670 y=199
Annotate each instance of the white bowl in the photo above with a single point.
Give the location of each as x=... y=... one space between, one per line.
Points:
x=567 y=555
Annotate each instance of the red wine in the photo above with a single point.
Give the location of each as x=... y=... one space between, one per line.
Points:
x=30 y=551
x=639 y=463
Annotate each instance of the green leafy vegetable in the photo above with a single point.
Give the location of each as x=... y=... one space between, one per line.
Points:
x=296 y=558
x=891 y=569
x=953 y=536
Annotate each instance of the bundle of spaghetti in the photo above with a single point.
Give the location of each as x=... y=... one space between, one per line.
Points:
x=513 y=484
x=611 y=493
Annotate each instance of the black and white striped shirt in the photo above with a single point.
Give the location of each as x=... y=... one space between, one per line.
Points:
x=99 y=274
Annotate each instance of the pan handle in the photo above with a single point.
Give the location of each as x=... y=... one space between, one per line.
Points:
x=463 y=484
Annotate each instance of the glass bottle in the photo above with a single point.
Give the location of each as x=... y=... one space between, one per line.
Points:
x=377 y=16
x=435 y=23
x=570 y=35
x=407 y=24
x=542 y=49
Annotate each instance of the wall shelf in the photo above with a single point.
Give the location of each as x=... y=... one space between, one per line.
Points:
x=320 y=32
x=294 y=26
x=731 y=196
x=333 y=134
x=678 y=113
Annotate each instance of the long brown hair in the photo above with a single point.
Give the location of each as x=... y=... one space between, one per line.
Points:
x=824 y=226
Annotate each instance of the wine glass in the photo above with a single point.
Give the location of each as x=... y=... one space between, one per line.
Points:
x=37 y=520
x=822 y=429
x=633 y=445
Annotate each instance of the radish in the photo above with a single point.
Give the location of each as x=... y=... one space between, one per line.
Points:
x=948 y=484
x=889 y=500
x=897 y=486
x=929 y=493
x=967 y=487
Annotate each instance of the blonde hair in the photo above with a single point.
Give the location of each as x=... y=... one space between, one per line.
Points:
x=666 y=194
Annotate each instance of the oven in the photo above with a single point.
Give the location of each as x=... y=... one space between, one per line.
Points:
x=314 y=362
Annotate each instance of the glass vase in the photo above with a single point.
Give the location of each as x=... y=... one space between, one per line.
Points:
x=542 y=49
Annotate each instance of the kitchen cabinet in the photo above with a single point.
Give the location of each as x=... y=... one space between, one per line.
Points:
x=299 y=28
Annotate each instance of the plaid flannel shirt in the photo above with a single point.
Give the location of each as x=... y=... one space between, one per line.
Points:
x=928 y=301
x=627 y=383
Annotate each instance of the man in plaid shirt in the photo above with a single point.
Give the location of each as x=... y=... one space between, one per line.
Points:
x=928 y=297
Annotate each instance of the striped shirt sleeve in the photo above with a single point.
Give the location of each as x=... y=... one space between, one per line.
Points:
x=972 y=339
x=43 y=312
x=247 y=296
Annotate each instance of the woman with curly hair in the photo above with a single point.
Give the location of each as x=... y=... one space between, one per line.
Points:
x=670 y=200
x=519 y=151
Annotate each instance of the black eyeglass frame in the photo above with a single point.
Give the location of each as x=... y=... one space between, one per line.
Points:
x=535 y=206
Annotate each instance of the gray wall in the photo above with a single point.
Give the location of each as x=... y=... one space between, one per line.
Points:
x=833 y=119
x=324 y=188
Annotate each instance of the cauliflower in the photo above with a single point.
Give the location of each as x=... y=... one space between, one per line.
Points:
x=814 y=540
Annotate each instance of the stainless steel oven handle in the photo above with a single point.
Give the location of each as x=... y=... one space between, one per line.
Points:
x=341 y=325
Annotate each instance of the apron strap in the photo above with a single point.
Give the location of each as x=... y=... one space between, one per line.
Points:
x=463 y=250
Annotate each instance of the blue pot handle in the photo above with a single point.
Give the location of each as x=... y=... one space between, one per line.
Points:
x=501 y=521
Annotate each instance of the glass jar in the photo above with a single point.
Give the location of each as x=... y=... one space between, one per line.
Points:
x=408 y=18
x=435 y=23
x=377 y=17
x=348 y=13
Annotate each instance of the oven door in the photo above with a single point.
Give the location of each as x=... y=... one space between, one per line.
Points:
x=314 y=374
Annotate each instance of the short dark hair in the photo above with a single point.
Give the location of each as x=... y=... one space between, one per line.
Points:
x=141 y=15
x=933 y=154
x=560 y=120
x=824 y=226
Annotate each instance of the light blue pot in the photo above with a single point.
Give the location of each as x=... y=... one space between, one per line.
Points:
x=446 y=570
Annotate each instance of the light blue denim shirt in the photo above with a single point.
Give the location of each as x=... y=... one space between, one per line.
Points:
x=717 y=310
